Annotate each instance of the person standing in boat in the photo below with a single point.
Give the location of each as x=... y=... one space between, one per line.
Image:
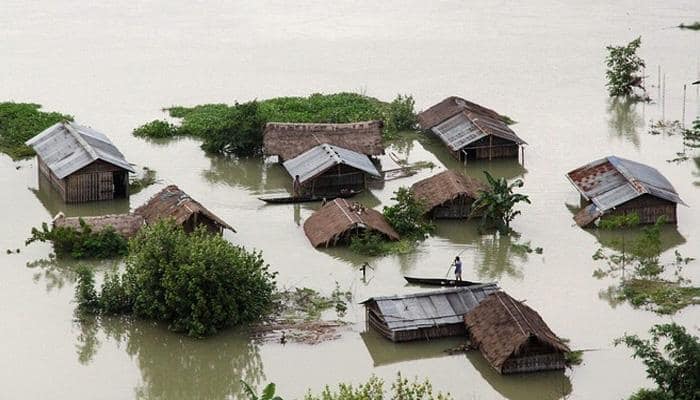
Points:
x=458 y=269
x=296 y=186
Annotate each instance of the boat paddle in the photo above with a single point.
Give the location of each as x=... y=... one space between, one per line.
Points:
x=452 y=265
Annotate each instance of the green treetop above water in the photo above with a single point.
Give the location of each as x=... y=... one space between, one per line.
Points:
x=20 y=122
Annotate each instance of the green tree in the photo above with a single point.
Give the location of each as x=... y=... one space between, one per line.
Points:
x=197 y=283
x=496 y=206
x=82 y=242
x=373 y=389
x=400 y=115
x=268 y=392
x=407 y=216
x=675 y=367
x=624 y=68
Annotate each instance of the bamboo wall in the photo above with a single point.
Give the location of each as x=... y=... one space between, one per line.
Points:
x=533 y=363
x=649 y=208
x=458 y=208
x=336 y=179
x=491 y=147
x=96 y=181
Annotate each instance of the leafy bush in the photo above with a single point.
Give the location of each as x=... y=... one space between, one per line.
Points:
x=400 y=115
x=368 y=243
x=624 y=68
x=20 y=122
x=496 y=205
x=675 y=367
x=268 y=392
x=374 y=389
x=407 y=216
x=198 y=283
x=82 y=242
x=238 y=129
x=156 y=129
x=85 y=294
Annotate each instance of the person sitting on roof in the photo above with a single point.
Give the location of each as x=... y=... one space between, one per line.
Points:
x=296 y=186
x=458 y=268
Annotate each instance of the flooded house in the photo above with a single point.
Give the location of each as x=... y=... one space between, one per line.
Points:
x=340 y=220
x=289 y=140
x=448 y=194
x=127 y=225
x=172 y=202
x=617 y=186
x=327 y=170
x=425 y=315
x=470 y=131
x=513 y=337
x=80 y=163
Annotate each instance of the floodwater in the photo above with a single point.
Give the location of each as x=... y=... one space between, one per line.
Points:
x=114 y=66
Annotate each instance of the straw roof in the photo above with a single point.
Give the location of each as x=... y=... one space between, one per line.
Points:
x=450 y=107
x=288 y=140
x=126 y=225
x=502 y=327
x=340 y=216
x=172 y=202
x=445 y=186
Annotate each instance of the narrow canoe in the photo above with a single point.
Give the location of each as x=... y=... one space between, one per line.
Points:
x=307 y=199
x=438 y=281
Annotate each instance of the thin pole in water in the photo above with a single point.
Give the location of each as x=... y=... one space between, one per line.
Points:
x=684 y=89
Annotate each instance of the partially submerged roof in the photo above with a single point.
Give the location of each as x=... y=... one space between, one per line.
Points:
x=501 y=326
x=459 y=122
x=340 y=216
x=324 y=156
x=66 y=147
x=428 y=309
x=613 y=181
x=126 y=225
x=288 y=140
x=172 y=202
x=446 y=186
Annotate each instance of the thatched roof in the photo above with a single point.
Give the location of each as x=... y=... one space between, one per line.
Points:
x=172 y=202
x=126 y=225
x=445 y=186
x=288 y=140
x=340 y=216
x=501 y=327
x=450 y=107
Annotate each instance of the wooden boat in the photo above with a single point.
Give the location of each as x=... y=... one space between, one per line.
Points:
x=438 y=281
x=308 y=199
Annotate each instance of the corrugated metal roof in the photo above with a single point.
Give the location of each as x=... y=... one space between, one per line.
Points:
x=67 y=147
x=426 y=309
x=324 y=156
x=467 y=127
x=612 y=181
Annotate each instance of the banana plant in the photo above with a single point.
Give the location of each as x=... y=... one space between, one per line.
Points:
x=496 y=205
x=268 y=392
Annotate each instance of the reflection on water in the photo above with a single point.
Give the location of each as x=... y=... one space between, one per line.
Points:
x=384 y=352
x=499 y=256
x=250 y=173
x=532 y=386
x=52 y=202
x=696 y=173
x=176 y=367
x=56 y=273
x=623 y=119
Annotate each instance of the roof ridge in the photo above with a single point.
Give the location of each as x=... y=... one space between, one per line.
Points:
x=78 y=137
x=511 y=314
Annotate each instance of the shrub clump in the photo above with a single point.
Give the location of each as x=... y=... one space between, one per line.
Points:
x=197 y=283
x=20 y=122
x=624 y=68
x=407 y=216
x=237 y=129
x=82 y=242
x=496 y=206
x=374 y=389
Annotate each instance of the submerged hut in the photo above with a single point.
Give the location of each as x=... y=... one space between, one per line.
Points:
x=340 y=219
x=448 y=194
x=470 y=131
x=426 y=315
x=172 y=202
x=616 y=186
x=126 y=225
x=289 y=140
x=513 y=337
x=326 y=169
x=81 y=163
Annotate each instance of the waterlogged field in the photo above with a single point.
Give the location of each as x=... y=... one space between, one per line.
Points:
x=114 y=67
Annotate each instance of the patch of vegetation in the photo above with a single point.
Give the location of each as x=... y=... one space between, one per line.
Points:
x=197 y=283
x=20 y=122
x=624 y=69
x=374 y=389
x=268 y=392
x=674 y=367
x=574 y=357
x=82 y=242
x=508 y=120
x=156 y=129
x=237 y=129
x=690 y=136
x=639 y=265
x=374 y=244
x=695 y=26
x=496 y=205
x=407 y=216
x=525 y=248
x=308 y=304
x=147 y=178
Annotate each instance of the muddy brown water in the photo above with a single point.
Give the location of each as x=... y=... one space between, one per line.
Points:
x=115 y=66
